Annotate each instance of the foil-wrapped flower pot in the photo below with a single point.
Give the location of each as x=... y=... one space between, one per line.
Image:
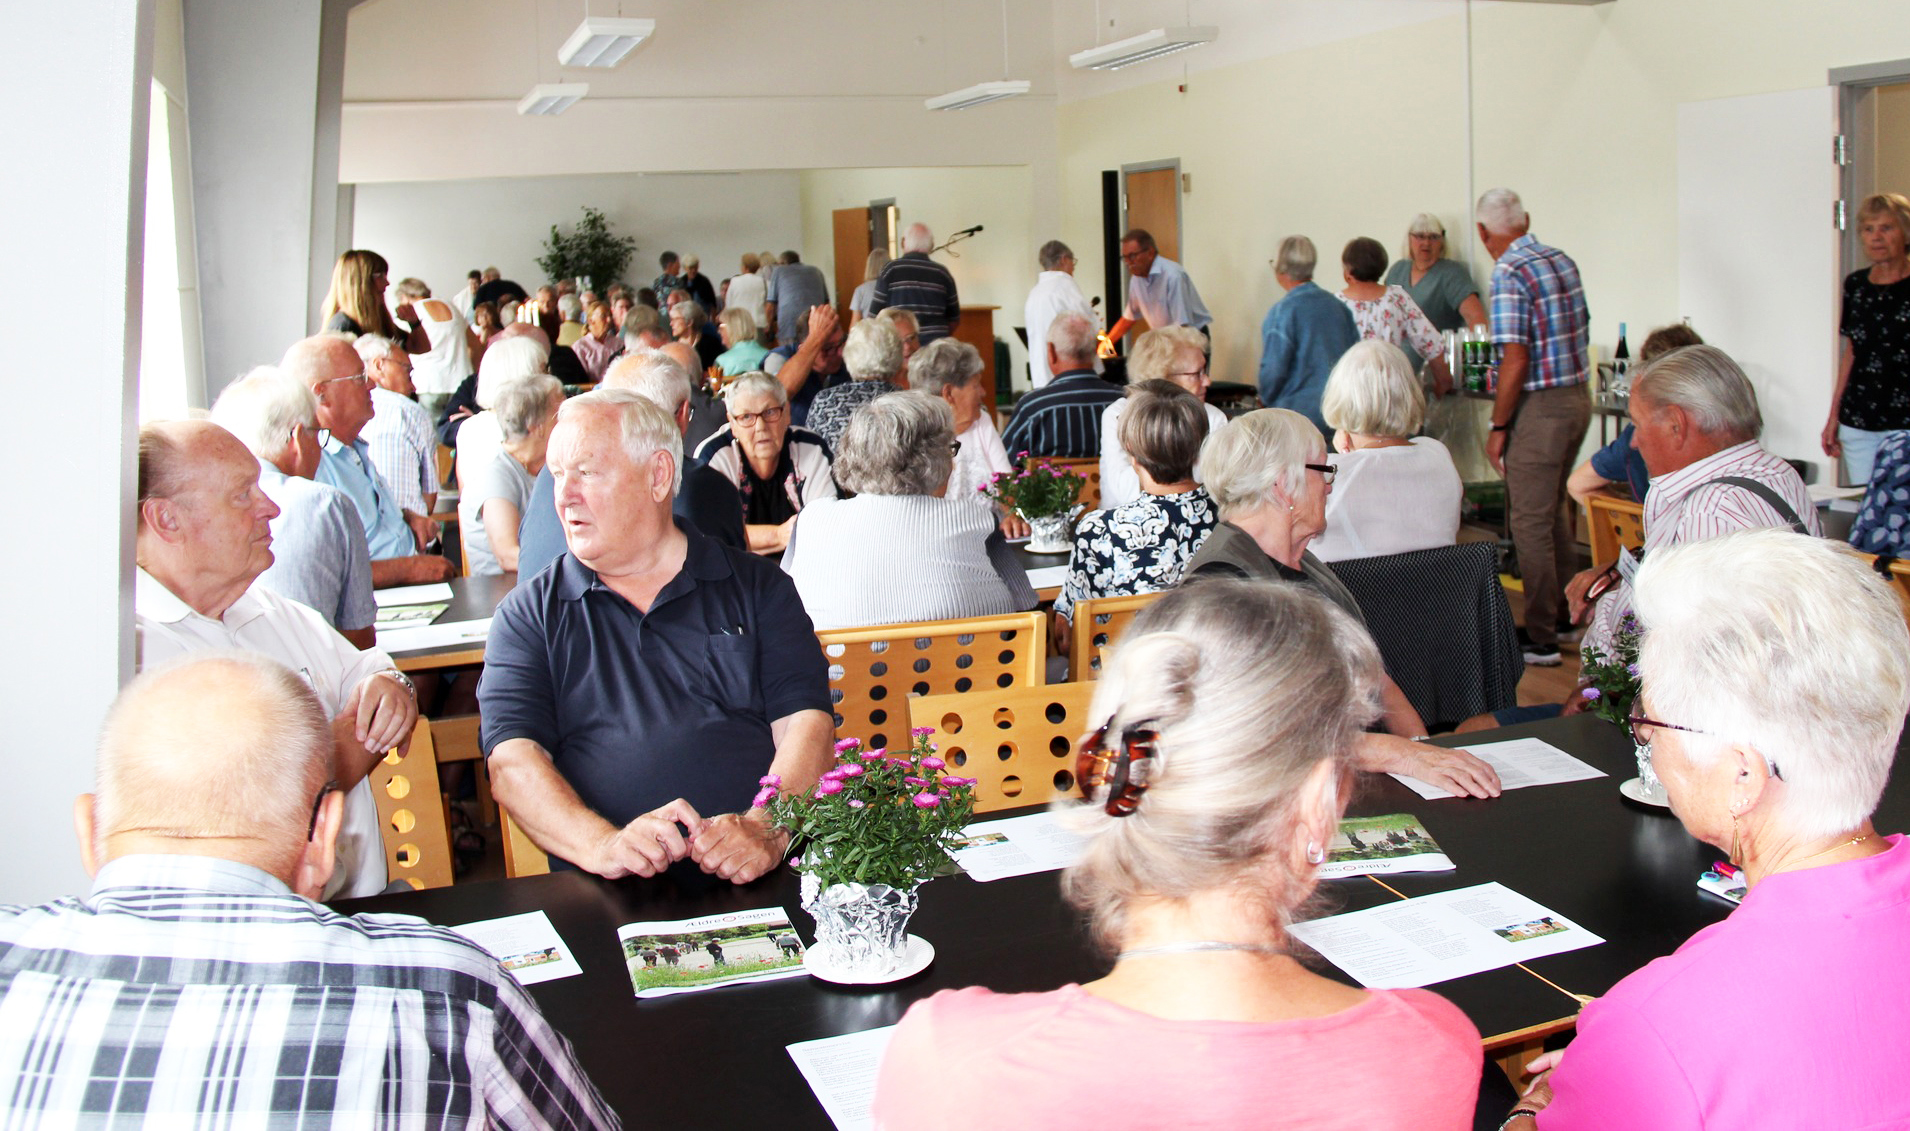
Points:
x=861 y=930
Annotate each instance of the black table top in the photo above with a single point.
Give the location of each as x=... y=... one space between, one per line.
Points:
x=1624 y=871
x=472 y=598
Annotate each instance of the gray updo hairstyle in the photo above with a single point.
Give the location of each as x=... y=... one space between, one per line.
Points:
x=1249 y=687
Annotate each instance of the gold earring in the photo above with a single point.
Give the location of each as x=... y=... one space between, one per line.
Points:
x=1736 y=849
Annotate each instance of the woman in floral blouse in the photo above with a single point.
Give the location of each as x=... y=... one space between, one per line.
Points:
x=1143 y=546
x=1389 y=314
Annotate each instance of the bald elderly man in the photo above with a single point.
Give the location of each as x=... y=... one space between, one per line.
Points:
x=918 y=284
x=198 y=984
x=204 y=538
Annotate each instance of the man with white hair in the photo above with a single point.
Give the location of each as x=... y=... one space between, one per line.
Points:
x=1158 y=291
x=199 y=983
x=650 y=676
x=1541 y=411
x=204 y=538
x=920 y=285
x=319 y=557
x=1063 y=419
x=404 y=446
x=706 y=498
x=329 y=366
x=1055 y=293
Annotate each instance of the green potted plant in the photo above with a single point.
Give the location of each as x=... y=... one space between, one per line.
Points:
x=588 y=251
x=1044 y=495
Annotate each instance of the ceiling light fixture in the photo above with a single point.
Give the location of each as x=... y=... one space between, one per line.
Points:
x=603 y=41
x=978 y=94
x=1138 y=49
x=548 y=98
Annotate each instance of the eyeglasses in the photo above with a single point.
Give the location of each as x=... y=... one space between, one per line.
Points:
x=1131 y=256
x=1327 y=471
x=954 y=447
x=767 y=416
x=1196 y=373
x=1125 y=772
x=311 y=829
x=358 y=377
x=1641 y=735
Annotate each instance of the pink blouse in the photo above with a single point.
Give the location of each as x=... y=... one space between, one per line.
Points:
x=1394 y=317
x=1791 y=1013
x=1067 y=1059
x=595 y=354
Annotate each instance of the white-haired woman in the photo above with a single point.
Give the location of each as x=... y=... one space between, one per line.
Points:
x=864 y=296
x=745 y=354
x=777 y=468
x=1269 y=475
x=1171 y=353
x=873 y=356
x=494 y=495
x=952 y=371
x=1393 y=492
x=1192 y=870
x=899 y=550
x=1776 y=674
x=687 y=325
x=1442 y=289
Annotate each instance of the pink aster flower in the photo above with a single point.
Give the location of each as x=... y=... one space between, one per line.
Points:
x=926 y=800
x=849 y=770
x=770 y=780
x=1591 y=693
x=827 y=786
x=855 y=803
x=933 y=763
x=915 y=781
x=922 y=732
x=846 y=743
x=901 y=763
x=763 y=797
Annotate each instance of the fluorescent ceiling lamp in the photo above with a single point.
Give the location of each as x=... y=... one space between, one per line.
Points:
x=552 y=97
x=1139 y=49
x=978 y=94
x=603 y=41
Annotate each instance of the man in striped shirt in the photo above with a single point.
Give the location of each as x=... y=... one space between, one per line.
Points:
x=918 y=284
x=198 y=984
x=1063 y=418
x=1540 y=411
x=1697 y=426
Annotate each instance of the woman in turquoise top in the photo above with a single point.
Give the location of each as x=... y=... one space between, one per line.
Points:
x=745 y=354
x=1443 y=288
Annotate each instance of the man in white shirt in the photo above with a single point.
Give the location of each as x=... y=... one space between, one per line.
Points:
x=204 y=537
x=1055 y=293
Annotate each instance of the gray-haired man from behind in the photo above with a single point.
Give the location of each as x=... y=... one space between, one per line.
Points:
x=199 y=983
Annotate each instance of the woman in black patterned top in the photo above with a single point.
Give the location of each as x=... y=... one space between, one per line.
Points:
x=1873 y=377
x=1143 y=546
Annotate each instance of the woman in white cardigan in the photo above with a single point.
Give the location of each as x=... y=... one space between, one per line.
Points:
x=899 y=551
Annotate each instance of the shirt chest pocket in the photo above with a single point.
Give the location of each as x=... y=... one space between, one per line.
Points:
x=732 y=673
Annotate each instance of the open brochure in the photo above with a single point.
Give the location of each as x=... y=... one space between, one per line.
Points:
x=525 y=945
x=1376 y=846
x=1016 y=846
x=1434 y=938
x=687 y=955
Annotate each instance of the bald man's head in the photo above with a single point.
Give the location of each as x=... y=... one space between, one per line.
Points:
x=219 y=754
x=684 y=354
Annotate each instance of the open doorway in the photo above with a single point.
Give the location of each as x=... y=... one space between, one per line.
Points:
x=1874 y=130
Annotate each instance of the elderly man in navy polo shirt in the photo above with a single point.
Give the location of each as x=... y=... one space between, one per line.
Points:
x=652 y=674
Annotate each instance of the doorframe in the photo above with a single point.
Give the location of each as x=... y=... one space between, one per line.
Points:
x=885 y=227
x=1179 y=220
x=1856 y=124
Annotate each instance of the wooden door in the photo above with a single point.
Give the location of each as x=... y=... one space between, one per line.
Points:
x=852 y=255
x=1151 y=201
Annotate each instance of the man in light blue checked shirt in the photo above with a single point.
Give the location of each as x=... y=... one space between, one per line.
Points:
x=198 y=984
x=1541 y=409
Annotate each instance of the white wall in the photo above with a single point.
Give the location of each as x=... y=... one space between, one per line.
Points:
x=439 y=230
x=996 y=267
x=78 y=213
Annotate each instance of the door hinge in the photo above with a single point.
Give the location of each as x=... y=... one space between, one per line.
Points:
x=1839 y=216
x=1840 y=151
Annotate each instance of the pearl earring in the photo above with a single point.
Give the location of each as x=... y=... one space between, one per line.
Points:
x=1314 y=853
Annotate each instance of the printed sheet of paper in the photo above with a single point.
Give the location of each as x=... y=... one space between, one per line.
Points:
x=1047 y=576
x=472 y=632
x=406 y=616
x=1376 y=846
x=1521 y=762
x=687 y=955
x=525 y=945
x=841 y=1071
x=412 y=594
x=1018 y=846
x=1434 y=938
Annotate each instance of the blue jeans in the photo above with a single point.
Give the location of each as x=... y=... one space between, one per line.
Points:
x=1860 y=452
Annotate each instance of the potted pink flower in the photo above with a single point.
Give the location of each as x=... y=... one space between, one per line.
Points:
x=1044 y=494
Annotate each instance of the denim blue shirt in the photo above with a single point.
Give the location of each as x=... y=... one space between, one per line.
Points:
x=349 y=468
x=1300 y=339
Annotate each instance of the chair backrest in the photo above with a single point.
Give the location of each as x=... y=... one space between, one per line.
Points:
x=522 y=857
x=1098 y=623
x=444 y=464
x=1443 y=627
x=1613 y=523
x=1898 y=577
x=411 y=813
x=1018 y=744
x=1088 y=469
x=874 y=671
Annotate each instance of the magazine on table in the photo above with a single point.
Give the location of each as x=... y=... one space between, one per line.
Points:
x=686 y=955
x=1375 y=846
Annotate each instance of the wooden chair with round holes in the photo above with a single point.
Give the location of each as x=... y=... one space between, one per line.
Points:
x=1088 y=469
x=522 y=857
x=1018 y=744
x=873 y=672
x=411 y=814
x=1098 y=623
x=1612 y=523
x=1898 y=577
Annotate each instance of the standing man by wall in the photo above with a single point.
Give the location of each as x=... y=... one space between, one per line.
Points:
x=1055 y=293
x=1158 y=291
x=921 y=286
x=1540 y=413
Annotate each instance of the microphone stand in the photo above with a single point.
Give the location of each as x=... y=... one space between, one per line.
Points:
x=954 y=239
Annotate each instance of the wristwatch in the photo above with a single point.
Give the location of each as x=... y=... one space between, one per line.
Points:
x=1519 y=1113
x=403 y=680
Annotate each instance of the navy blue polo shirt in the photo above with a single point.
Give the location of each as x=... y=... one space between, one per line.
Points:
x=638 y=708
x=1619 y=462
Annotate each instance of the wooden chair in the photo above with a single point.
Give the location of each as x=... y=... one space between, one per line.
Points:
x=1088 y=469
x=874 y=671
x=411 y=813
x=1098 y=623
x=1899 y=578
x=1018 y=744
x=522 y=857
x=1612 y=523
x=444 y=465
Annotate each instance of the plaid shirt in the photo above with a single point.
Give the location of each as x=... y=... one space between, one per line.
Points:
x=1538 y=302
x=404 y=447
x=188 y=991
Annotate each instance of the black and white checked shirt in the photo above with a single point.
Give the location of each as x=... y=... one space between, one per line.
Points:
x=188 y=991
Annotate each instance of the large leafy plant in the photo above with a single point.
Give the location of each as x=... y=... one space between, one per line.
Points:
x=587 y=251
